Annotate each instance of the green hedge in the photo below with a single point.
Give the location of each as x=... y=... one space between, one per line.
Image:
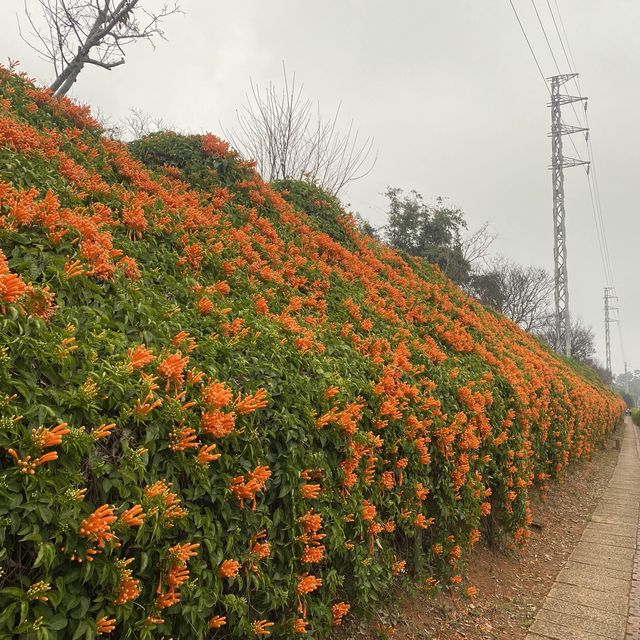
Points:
x=224 y=412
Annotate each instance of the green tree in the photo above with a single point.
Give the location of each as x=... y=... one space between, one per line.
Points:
x=431 y=231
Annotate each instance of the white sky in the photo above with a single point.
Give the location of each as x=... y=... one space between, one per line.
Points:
x=450 y=93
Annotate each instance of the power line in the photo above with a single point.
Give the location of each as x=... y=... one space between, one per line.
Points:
x=591 y=173
x=564 y=50
x=524 y=33
x=544 y=32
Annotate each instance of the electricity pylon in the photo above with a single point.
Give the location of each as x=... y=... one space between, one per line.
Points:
x=608 y=295
x=558 y=163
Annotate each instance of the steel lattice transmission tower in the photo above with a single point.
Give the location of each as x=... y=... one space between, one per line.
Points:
x=609 y=295
x=558 y=163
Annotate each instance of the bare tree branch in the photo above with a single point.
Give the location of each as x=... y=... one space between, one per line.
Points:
x=521 y=293
x=475 y=246
x=96 y=32
x=289 y=138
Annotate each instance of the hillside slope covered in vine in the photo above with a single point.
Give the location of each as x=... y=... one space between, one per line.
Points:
x=226 y=413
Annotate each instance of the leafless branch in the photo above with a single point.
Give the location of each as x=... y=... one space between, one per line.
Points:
x=289 y=138
x=475 y=246
x=80 y=32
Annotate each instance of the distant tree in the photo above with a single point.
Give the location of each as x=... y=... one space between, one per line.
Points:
x=139 y=124
x=583 y=346
x=364 y=226
x=77 y=33
x=431 y=231
x=522 y=293
x=629 y=382
x=290 y=139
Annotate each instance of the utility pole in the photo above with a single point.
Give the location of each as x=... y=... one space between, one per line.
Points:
x=626 y=379
x=558 y=164
x=609 y=295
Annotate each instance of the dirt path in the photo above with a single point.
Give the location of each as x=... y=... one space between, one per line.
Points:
x=511 y=586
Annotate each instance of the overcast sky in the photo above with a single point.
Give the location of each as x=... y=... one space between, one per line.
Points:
x=449 y=91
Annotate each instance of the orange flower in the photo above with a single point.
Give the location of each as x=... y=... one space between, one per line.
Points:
x=398 y=567
x=182 y=552
x=368 y=511
x=217 y=621
x=339 y=611
x=310 y=491
x=171 y=368
x=73 y=268
x=216 y=394
x=249 y=404
x=260 y=627
x=205 y=456
x=300 y=625
x=103 y=431
x=205 y=306
x=311 y=555
x=261 y=305
x=307 y=584
x=133 y=517
x=128 y=587
x=229 y=569
x=218 y=424
x=140 y=357
x=97 y=525
x=182 y=438
x=105 y=625
x=43 y=437
x=12 y=287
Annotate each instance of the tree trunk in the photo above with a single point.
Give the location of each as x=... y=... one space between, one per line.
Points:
x=67 y=78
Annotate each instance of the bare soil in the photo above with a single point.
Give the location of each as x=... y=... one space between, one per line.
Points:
x=511 y=584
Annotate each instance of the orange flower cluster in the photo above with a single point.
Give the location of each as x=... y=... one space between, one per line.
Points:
x=133 y=517
x=172 y=367
x=307 y=584
x=105 y=625
x=183 y=438
x=128 y=587
x=229 y=568
x=103 y=431
x=217 y=621
x=177 y=574
x=97 y=526
x=205 y=455
x=43 y=437
x=261 y=627
x=29 y=466
x=339 y=611
x=140 y=357
x=164 y=501
x=246 y=487
x=251 y=403
x=12 y=287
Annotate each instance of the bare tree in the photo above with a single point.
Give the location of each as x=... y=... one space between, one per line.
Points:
x=139 y=124
x=475 y=245
x=289 y=138
x=90 y=32
x=521 y=293
x=583 y=346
